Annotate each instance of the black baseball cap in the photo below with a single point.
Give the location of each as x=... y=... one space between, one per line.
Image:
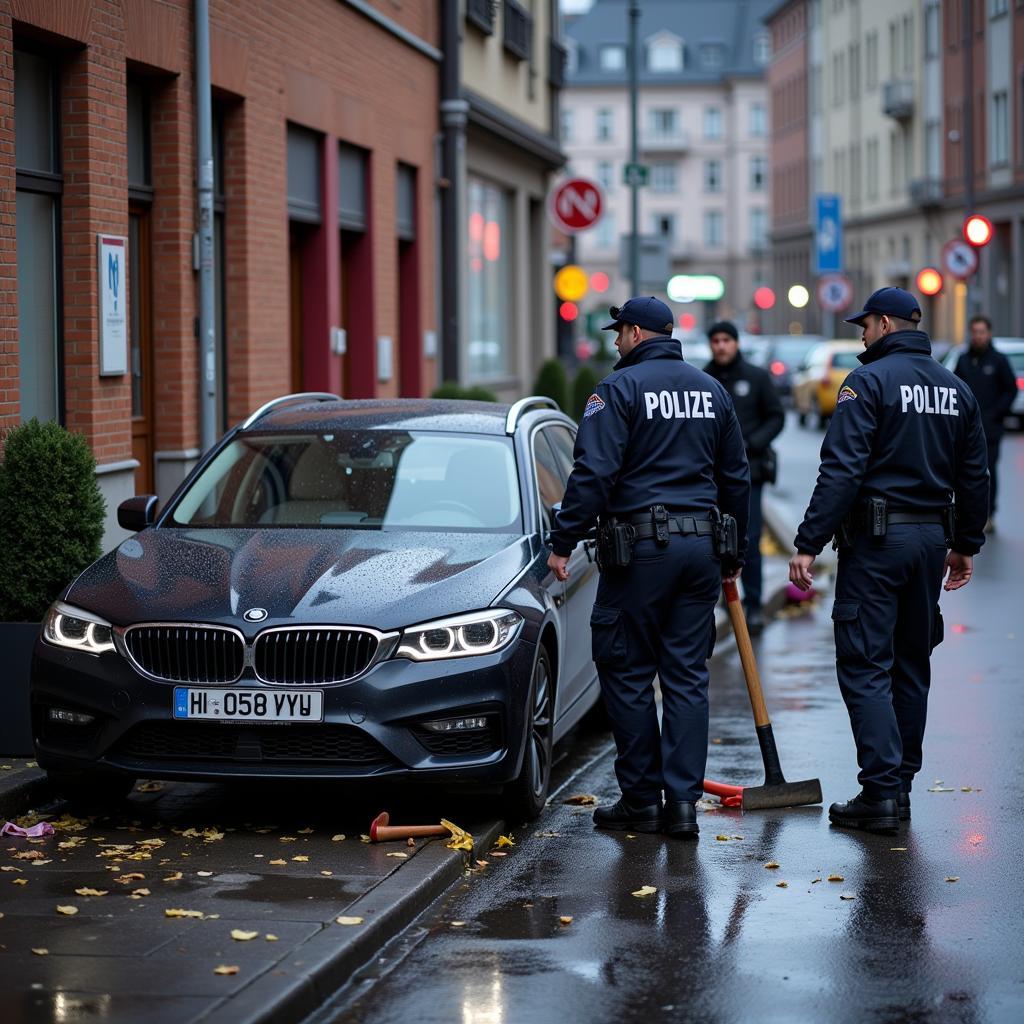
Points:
x=642 y=311
x=888 y=302
x=723 y=327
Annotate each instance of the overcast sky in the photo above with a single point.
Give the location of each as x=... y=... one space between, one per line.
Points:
x=575 y=6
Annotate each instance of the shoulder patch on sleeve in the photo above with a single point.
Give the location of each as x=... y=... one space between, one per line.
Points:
x=846 y=394
x=595 y=403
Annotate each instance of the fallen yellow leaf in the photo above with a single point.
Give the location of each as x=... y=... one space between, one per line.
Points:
x=41 y=952
x=940 y=789
x=364 y=838
x=581 y=800
x=287 y=839
x=722 y=839
x=566 y=919
x=458 y=924
x=302 y=858
x=504 y=841
x=305 y=831
x=224 y=969
x=21 y=881
x=271 y=938
x=645 y=890
x=339 y=838
x=67 y=911
x=280 y=862
x=771 y=865
x=815 y=881
x=327 y=874
x=204 y=874
x=183 y=913
x=240 y=936
x=461 y=839
x=149 y=787
x=348 y=920
x=176 y=877
x=399 y=855
x=86 y=891
x=9 y=867
x=836 y=878
x=132 y=876
x=140 y=892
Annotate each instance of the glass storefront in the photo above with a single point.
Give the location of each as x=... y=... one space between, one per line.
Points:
x=489 y=343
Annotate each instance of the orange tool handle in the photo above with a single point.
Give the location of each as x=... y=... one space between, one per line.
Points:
x=387 y=833
x=747 y=659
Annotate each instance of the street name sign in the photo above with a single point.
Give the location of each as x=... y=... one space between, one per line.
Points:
x=635 y=174
x=828 y=234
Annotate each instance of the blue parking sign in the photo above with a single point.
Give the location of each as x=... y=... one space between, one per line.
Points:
x=828 y=234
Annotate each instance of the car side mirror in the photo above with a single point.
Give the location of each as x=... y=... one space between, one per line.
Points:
x=137 y=513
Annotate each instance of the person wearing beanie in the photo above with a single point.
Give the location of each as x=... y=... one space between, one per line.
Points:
x=761 y=418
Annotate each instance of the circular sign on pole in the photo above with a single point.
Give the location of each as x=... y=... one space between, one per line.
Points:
x=960 y=258
x=571 y=283
x=834 y=292
x=575 y=205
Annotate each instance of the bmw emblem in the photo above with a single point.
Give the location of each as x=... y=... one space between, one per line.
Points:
x=255 y=615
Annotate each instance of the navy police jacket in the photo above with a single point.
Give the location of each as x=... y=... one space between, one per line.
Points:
x=907 y=430
x=657 y=431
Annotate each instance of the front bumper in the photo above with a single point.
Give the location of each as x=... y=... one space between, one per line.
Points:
x=370 y=727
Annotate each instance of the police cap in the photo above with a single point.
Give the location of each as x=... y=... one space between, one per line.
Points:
x=644 y=311
x=888 y=302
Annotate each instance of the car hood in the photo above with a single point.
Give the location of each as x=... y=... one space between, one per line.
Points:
x=374 y=578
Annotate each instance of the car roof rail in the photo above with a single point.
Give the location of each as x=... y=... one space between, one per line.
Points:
x=302 y=396
x=523 y=406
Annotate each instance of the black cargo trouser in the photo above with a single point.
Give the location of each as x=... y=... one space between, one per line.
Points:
x=656 y=616
x=887 y=622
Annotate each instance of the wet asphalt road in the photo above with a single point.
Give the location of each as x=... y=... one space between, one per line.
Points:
x=932 y=932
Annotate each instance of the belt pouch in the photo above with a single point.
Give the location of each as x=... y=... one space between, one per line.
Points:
x=659 y=517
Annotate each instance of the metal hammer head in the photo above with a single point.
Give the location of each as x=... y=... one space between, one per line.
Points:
x=783 y=794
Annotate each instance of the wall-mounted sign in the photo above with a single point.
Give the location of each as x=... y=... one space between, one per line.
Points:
x=113 y=290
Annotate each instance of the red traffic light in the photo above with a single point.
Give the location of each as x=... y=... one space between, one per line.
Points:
x=978 y=230
x=568 y=311
x=599 y=281
x=929 y=281
x=764 y=297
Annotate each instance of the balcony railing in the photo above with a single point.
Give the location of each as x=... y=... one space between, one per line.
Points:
x=926 y=192
x=518 y=30
x=665 y=142
x=480 y=13
x=898 y=99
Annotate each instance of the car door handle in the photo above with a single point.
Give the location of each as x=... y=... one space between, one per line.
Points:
x=559 y=600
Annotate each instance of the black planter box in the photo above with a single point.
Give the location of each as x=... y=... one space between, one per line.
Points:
x=17 y=641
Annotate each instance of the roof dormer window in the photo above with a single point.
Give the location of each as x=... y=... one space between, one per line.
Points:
x=665 y=53
x=762 y=48
x=612 y=58
x=712 y=55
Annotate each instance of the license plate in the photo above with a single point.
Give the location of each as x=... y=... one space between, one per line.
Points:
x=249 y=705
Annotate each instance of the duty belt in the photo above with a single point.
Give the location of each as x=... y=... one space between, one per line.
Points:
x=904 y=518
x=687 y=524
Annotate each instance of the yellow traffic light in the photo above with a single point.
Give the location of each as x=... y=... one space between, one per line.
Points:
x=571 y=283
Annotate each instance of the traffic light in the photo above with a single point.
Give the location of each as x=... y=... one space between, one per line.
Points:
x=978 y=230
x=568 y=311
x=929 y=281
x=764 y=297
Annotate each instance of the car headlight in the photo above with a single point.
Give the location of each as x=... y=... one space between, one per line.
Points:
x=66 y=626
x=460 y=636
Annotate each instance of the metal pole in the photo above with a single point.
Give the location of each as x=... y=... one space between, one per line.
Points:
x=967 y=142
x=204 y=177
x=634 y=184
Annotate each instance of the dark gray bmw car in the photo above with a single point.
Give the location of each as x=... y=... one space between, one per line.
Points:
x=342 y=590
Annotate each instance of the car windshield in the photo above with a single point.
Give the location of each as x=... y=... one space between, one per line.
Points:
x=357 y=479
x=793 y=352
x=845 y=360
x=1016 y=361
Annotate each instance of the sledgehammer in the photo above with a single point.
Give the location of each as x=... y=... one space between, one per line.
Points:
x=776 y=791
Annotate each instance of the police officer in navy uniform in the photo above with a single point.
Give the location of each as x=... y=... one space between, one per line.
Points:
x=906 y=441
x=659 y=458
x=761 y=420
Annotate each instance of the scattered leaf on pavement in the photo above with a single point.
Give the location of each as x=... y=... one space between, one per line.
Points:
x=184 y=913
x=339 y=838
x=302 y=858
x=836 y=878
x=225 y=969
x=141 y=892
x=176 y=877
x=953 y=878
x=86 y=891
x=846 y=896
x=280 y=862
x=782 y=885
x=41 y=952
x=581 y=800
x=21 y=881
x=327 y=874
x=204 y=874
x=940 y=789
x=364 y=838
x=815 y=881
x=10 y=867
x=460 y=840
x=722 y=839
x=645 y=890
x=897 y=849
x=504 y=841
x=547 y=835
x=305 y=831
x=149 y=787
x=348 y=920
x=241 y=936
x=271 y=938
x=565 y=919
x=67 y=911
x=458 y=924
x=771 y=865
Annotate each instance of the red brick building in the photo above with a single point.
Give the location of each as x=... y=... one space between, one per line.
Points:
x=325 y=124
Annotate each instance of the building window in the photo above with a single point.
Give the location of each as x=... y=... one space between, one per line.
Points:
x=605 y=235
x=712 y=175
x=303 y=175
x=871 y=60
x=663 y=123
x=758 y=228
x=758 y=173
x=997 y=7
x=606 y=175
x=665 y=54
x=572 y=54
x=838 y=79
x=1000 y=128
x=758 y=121
x=854 y=61
x=762 y=48
x=712 y=123
x=908 y=43
x=664 y=225
x=489 y=343
x=933 y=149
x=932 y=29
x=612 y=58
x=37 y=229
x=712 y=55
x=664 y=178
x=568 y=119
x=894 y=48
x=604 y=125
x=872 y=169
x=713 y=228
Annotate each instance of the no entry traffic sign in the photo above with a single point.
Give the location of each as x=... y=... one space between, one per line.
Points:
x=960 y=258
x=576 y=205
x=834 y=292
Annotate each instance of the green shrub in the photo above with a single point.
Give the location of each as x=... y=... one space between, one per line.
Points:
x=51 y=516
x=552 y=383
x=452 y=390
x=582 y=388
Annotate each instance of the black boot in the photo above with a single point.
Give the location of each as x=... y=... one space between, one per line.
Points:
x=624 y=816
x=681 y=819
x=903 y=805
x=870 y=815
x=755 y=620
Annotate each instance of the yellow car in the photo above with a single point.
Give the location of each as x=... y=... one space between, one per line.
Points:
x=816 y=384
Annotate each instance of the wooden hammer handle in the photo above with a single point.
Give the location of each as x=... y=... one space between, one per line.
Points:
x=387 y=833
x=747 y=659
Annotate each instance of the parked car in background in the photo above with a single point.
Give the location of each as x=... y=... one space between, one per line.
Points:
x=786 y=354
x=755 y=349
x=339 y=590
x=816 y=384
x=1013 y=349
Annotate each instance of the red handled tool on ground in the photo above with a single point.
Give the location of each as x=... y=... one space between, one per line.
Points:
x=382 y=831
x=776 y=791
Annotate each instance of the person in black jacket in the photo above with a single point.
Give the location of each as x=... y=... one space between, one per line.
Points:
x=658 y=454
x=761 y=419
x=905 y=441
x=989 y=375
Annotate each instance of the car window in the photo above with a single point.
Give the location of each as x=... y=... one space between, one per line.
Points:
x=357 y=479
x=562 y=441
x=845 y=361
x=1016 y=361
x=552 y=475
